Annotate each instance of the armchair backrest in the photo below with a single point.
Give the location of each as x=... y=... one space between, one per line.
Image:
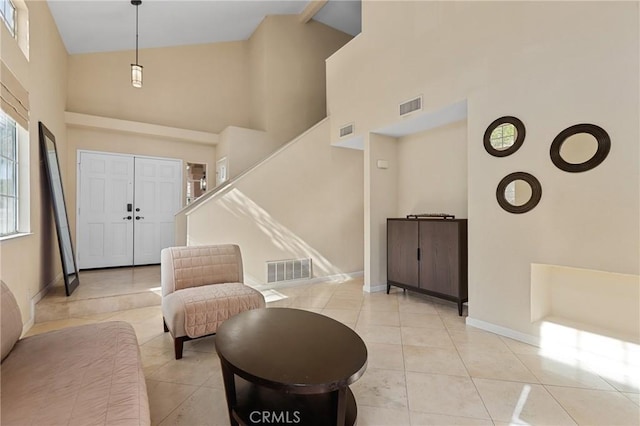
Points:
x=193 y=266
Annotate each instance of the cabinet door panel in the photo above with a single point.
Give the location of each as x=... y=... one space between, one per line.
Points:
x=439 y=247
x=402 y=248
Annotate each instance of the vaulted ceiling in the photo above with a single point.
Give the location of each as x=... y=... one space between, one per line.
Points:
x=88 y=26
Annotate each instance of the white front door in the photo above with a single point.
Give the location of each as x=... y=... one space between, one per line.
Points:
x=105 y=226
x=127 y=207
x=157 y=200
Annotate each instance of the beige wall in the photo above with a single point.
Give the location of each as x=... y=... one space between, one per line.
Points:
x=200 y=87
x=288 y=86
x=275 y=81
x=432 y=171
x=243 y=148
x=313 y=210
x=381 y=202
x=558 y=72
x=31 y=262
x=257 y=48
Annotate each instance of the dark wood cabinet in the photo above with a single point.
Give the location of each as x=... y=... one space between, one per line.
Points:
x=428 y=256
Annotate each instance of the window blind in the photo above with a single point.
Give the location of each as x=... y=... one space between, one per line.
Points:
x=14 y=98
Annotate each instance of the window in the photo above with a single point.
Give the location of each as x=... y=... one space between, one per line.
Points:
x=8 y=176
x=8 y=13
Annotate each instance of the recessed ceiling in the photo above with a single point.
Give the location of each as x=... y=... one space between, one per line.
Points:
x=88 y=26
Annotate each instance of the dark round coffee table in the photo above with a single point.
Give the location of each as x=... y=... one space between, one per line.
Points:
x=283 y=365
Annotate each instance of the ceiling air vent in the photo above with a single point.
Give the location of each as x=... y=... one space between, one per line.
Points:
x=410 y=106
x=346 y=130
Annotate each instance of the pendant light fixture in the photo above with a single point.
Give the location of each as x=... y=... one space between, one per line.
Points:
x=136 y=69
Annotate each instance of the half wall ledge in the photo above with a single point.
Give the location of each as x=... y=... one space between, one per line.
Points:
x=603 y=303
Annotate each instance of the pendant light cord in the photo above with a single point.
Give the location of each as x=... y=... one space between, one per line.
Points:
x=137 y=34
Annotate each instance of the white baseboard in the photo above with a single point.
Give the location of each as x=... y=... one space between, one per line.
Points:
x=504 y=331
x=376 y=288
x=35 y=299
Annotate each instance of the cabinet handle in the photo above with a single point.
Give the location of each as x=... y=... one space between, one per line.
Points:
x=418 y=254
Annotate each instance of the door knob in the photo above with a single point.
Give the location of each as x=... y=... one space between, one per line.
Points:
x=127 y=218
x=139 y=217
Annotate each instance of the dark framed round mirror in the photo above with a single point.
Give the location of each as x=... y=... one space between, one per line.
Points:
x=504 y=136
x=580 y=148
x=519 y=192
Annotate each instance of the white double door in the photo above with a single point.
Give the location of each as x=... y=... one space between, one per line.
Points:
x=126 y=210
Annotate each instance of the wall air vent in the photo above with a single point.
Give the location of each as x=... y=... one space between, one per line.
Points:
x=288 y=270
x=411 y=106
x=346 y=130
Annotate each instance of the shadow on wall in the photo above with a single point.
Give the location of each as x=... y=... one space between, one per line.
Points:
x=240 y=206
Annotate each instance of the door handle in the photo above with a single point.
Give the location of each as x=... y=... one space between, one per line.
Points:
x=126 y=218
x=139 y=217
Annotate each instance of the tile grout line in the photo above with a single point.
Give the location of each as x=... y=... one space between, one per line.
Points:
x=484 y=404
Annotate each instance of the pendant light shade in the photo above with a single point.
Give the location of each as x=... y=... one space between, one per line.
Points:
x=136 y=69
x=136 y=75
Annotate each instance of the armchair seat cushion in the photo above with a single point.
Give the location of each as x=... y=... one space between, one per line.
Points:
x=199 y=311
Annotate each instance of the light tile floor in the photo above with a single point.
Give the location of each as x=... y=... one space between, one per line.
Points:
x=426 y=367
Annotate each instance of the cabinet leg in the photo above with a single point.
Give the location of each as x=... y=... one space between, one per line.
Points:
x=460 y=308
x=388 y=287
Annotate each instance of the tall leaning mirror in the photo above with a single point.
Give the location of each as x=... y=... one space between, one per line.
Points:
x=52 y=169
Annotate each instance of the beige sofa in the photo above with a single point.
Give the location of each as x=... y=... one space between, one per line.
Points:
x=86 y=375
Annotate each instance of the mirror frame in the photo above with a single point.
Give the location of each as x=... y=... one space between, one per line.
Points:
x=48 y=148
x=536 y=192
x=604 y=146
x=520 y=135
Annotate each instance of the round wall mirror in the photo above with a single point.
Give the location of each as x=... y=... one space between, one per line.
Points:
x=504 y=136
x=580 y=148
x=519 y=192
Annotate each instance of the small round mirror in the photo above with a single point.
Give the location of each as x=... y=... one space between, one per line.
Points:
x=580 y=148
x=518 y=192
x=504 y=136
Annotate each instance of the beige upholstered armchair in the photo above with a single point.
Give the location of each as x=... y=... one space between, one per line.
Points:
x=202 y=286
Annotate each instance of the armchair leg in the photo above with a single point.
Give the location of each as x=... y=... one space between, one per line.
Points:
x=164 y=323
x=177 y=346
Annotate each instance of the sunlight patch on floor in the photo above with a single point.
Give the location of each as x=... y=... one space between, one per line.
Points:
x=273 y=295
x=611 y=358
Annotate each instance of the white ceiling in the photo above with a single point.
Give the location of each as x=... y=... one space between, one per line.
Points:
x=109 y=25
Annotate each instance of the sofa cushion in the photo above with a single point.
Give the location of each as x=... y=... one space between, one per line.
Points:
x=86 y=375
x=11 y=320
